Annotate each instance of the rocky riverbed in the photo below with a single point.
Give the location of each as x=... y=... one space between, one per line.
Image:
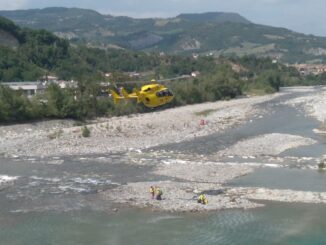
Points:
x=313 y=104
x=182 y=176
x=140 y=131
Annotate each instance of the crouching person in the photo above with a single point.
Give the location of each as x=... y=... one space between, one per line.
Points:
x=159 y=193
x=202 y=199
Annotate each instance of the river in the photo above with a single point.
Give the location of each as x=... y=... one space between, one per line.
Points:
x=56 y=200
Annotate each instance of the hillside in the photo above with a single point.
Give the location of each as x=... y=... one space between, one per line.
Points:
x=208 y=33
x=10 y=34
x=27 y=54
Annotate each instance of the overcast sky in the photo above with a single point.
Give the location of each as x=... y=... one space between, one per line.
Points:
x=307 y=16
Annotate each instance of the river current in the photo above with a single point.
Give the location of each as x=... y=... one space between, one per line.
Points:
x=56 y=200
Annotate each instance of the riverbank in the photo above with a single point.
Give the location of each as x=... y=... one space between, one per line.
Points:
x=314 y=105
x=188 y=179
x=139 y=131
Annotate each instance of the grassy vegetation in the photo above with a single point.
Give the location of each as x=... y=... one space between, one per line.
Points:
x=86 y=132
x=204 y=113
x=322 y=164
x=249 y=49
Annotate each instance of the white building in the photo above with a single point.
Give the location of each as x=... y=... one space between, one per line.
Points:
x=29 y=88
x=67 y=84
x=195 y=73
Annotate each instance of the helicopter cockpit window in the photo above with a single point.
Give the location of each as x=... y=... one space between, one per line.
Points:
x=148 y=89
x=169 y=93
x=164 y=93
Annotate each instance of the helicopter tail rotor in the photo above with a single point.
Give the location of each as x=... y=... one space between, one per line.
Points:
x=125 y=93
x=116 y=97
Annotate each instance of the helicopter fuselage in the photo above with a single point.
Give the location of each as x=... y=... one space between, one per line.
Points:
x=152 y=95
x=155 y=95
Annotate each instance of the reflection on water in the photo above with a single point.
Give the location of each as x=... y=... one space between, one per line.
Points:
x=275 y=224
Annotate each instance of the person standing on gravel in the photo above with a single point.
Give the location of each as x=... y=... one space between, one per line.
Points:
x=152 y=191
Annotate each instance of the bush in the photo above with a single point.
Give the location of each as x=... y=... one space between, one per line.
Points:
x=86 y=132
x=56 y=134
x=322 y=164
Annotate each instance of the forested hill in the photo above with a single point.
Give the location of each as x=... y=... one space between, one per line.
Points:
x=27 y=54
x=215 y=33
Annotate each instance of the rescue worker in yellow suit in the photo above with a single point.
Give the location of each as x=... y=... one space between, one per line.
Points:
x=202 y=199
x=159 y=193
x=152 y=191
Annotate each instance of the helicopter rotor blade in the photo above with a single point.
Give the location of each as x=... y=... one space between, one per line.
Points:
x=158 y=81
x=174 y=78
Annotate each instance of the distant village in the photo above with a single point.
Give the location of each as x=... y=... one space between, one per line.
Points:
x=310 y=69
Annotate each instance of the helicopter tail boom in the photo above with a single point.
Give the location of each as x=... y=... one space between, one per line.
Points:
x=138 y=95
x=116 y=97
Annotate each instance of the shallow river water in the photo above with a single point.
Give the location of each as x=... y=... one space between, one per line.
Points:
x=274 y=224
x=56 y=200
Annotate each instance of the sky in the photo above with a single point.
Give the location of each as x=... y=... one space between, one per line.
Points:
x=306 y=16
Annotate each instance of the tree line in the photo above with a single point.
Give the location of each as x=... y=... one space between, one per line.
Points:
x=218 y=80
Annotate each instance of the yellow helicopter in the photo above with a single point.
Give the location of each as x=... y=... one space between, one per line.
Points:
x=152 y=95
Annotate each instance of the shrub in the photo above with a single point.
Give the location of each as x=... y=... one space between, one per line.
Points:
x=86 y=132
x=322 y=164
